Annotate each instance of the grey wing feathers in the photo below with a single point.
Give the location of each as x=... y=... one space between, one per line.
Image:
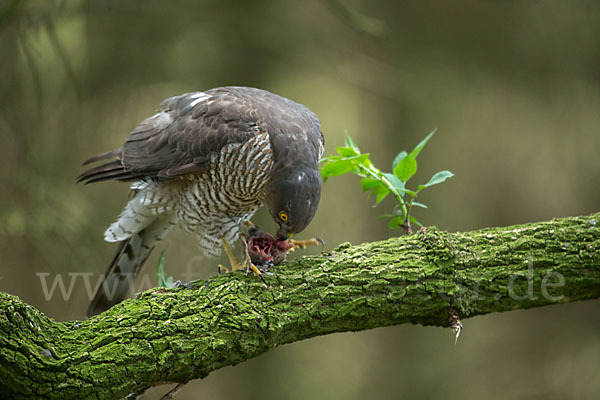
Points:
x=178 y=139
x=187 y=129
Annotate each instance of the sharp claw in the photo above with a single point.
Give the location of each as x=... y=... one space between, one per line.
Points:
x=221 y=268
x=320 y=241
x=258 y=273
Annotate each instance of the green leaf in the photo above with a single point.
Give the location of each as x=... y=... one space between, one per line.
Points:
x=350 y=143
x=381 y=192
x=436 y=178
x=369 y=183
x=161 y=270
x=330 y=158
x=406 y=168
x=414 y=221
x=422 y=144
x=398 y=158
x=346 y=151
x=414 y=203
x=338 y=167
x=169 y=282
x=368 y=164
x=396 y=222
x=358 y=159
x=396 y=183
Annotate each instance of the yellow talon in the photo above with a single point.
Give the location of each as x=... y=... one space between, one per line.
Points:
x=303 y=243
x=258 y=273
x=222 y=269
x=236 y=265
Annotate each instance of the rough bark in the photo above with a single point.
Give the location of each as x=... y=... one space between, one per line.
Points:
x=176 y=335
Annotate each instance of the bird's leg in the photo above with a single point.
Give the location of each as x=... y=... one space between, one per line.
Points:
x=248 y=262
x=221 y=268
x=235 y=264
x=232 y=260
x=308 y=242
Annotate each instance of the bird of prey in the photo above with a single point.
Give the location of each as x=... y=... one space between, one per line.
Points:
x=206 y=161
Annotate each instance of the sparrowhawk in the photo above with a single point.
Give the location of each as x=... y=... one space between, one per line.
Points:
x=206 y=161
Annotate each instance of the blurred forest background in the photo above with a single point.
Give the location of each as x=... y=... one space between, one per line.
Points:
x=513 y=87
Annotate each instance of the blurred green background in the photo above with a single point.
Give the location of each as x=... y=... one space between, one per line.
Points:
x=513 y=87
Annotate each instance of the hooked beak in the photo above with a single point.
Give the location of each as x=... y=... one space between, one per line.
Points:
x=283 y=236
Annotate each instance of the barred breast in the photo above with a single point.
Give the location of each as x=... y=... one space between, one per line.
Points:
x=215 y=203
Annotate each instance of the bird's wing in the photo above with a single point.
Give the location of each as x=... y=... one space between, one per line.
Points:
x=180 y=137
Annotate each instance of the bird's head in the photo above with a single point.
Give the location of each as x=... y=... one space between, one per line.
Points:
x=292 y=196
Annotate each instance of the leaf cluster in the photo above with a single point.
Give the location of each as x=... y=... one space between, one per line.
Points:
x=381 y=184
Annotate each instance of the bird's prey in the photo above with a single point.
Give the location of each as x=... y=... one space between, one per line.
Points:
x=206 y=161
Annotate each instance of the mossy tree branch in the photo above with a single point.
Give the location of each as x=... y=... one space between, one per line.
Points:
x=176 y=335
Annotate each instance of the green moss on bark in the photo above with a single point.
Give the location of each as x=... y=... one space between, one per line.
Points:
x=181 y=334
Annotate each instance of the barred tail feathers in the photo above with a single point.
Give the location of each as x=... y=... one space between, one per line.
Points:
x=132 y=253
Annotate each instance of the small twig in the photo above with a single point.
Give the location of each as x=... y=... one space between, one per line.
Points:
x=173 y=392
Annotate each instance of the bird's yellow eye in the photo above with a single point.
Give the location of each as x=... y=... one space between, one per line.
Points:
x=283 y=216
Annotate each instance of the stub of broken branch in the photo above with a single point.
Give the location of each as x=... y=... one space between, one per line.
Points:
x=180 y=334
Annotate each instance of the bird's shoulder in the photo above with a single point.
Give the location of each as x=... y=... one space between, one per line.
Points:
x=186 y=129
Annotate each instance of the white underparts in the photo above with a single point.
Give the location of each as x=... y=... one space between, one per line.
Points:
x=219 y=201
x=211 y=205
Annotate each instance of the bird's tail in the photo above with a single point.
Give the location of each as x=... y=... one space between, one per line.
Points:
x=137 y=231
